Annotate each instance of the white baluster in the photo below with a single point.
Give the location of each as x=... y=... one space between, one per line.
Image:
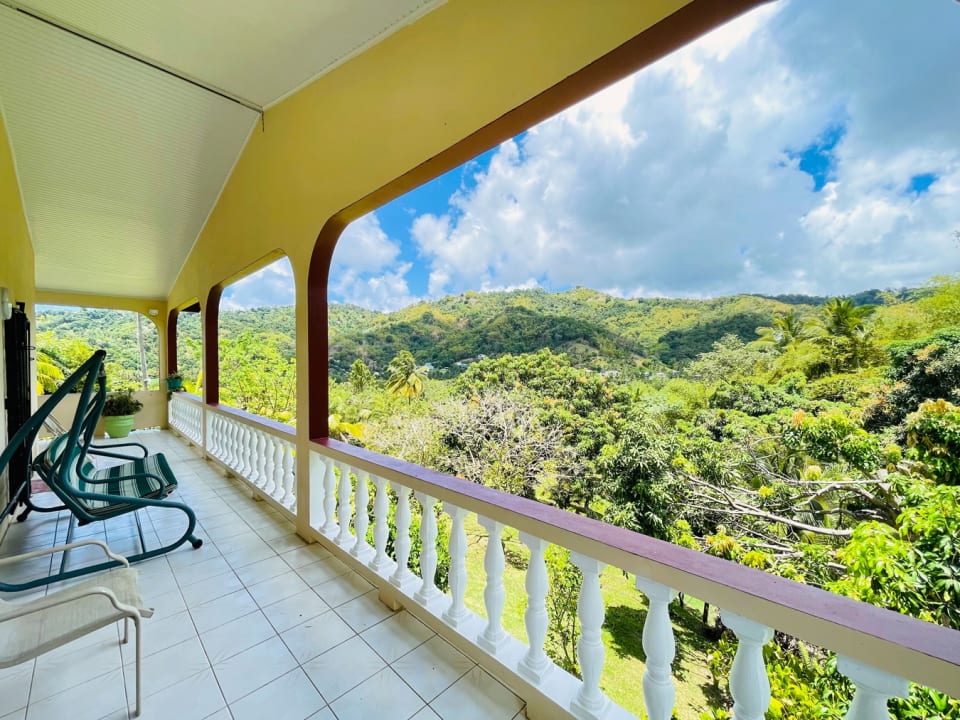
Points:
x=212 y=438
x=344 y=491
x=241 y=447
x=874 y=689
x=235 y=451
x=457 y=614
x=535 y=664
x=270 y=465
x=329 y=499
x=277 y=475
x=317 y=469
x=428 y=551
x=590 y=701
x=381 y=562
x=231 y=459
x=660 y=648
x=248 y=440
x=749 y=685
x=257 y=442
x=289 y=479
x=401 y=544
x=493 y=637
x=361 y=548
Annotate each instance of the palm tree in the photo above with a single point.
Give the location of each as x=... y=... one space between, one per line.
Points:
x=786 y=331
x=845 y=326
x=405 y=379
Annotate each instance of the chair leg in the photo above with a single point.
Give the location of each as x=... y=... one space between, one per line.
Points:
x=63 y=556
x=143 y=544
x=126 y=630
x=136 y=627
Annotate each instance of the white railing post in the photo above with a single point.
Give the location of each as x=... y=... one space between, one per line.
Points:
x=401 y=543
x=659 y=646
x=270 y=465
x=493 y=637
x=245 y=451
x=874 y=689
x=535 y=664
x=277 y=475
x=361 y=520
x=456 y=615
x=590 y=701
x=289 y=498
x=381 y=562
x=749 y=685
x=329 y=499
x=259 y=442
x=344 y=491
x=428 y=550
x=317 y=468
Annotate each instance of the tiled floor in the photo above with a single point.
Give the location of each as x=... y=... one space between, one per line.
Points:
x=253 y=625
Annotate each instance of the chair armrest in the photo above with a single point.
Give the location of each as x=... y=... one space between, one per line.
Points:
x=61 y=548
x=105 y=450
x=62 y=598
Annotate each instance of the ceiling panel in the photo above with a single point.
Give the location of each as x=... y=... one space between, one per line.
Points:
x=119 y=164
x=260 y=50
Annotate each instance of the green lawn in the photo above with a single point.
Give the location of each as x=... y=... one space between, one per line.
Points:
x=622 y=630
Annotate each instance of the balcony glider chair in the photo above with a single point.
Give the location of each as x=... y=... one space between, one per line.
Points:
x=36 y=626
x=92 y=494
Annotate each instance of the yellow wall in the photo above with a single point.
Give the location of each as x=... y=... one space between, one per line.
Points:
x=16 y=262
x=16 y=250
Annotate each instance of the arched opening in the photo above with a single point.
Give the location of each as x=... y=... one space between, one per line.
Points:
x=256 y=342
x=185 y=346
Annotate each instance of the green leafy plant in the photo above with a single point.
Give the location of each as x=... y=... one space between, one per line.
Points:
x=121 y=402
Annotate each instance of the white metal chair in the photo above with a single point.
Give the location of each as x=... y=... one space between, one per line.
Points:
x=33 y=627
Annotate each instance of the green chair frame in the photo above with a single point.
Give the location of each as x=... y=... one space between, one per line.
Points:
x=93 y=495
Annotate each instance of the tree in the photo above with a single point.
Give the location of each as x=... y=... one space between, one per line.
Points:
x=786 y=332
x=846 y=332
x=360 y=376
x=405 y=379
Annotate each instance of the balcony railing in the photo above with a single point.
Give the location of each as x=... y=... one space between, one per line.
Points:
x=879 y=650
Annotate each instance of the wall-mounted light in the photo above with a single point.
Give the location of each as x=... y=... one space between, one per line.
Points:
x=6 y=304
x=153 y=312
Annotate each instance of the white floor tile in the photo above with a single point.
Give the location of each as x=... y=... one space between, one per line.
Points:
x=73 y=665
x=253 y=668
x=477 y=696
x=344 y=588
x=159 y=633
x=277 y=588
x=322 y=571
x=236 y=636
x=343 y=667
x=15 y=687
x=305 y=555
x=316 y=636
x=193 y=573
x=384 y=696
x=397 y=635
x=262 y=570
x=295 y=610
x=222 y=610
x=432 y=667
x=427 y=714
x=169 y=667
x=289 y=697
x=194 y=698
x=207 y=590
x=364 y=612
x=91 y=700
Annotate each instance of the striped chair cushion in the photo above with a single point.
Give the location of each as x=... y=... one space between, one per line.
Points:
x=105 y=481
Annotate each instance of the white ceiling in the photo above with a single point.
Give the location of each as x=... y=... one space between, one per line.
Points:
x=120 y=163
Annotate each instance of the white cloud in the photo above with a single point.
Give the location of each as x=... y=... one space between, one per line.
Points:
x=365 y=269
x=678 y=181
x=271 y=285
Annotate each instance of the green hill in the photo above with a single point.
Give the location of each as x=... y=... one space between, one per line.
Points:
x=593 y=328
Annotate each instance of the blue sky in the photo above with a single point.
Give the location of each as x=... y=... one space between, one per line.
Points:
x=810 y=146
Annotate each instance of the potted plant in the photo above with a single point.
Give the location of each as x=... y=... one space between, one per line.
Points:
x=174 y=382
x=118 y=412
